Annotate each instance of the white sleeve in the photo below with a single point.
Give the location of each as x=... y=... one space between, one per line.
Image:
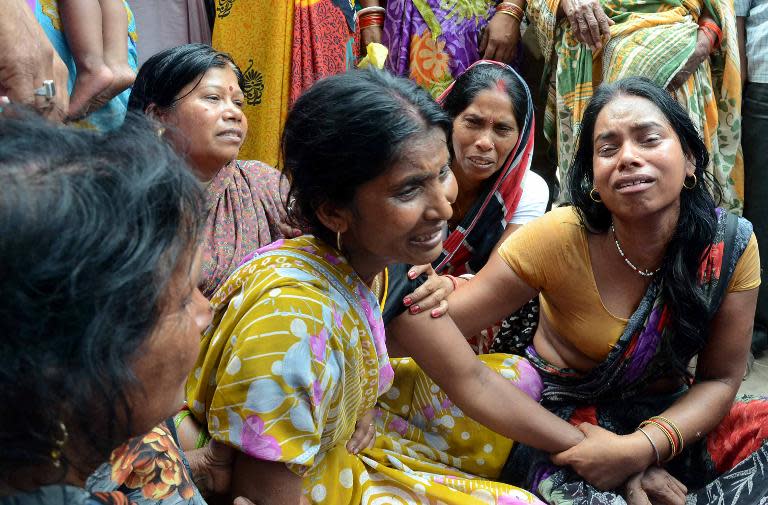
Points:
x=533 y=202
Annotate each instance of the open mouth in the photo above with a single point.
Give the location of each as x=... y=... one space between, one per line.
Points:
x=482 y=161
x=429 y=240
x=232 y=134
x=633 y=184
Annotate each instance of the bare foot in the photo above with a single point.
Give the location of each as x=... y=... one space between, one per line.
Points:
x=89 y=84
x=124 y=77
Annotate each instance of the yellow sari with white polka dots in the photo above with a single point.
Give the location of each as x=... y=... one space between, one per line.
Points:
x=296 y=354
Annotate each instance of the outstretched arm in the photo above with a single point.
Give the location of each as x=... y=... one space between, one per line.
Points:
x=439 y=347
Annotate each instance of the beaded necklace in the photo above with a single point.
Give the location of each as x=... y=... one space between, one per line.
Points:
x=641 y=272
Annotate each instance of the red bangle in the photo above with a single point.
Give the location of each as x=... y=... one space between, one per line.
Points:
x=371 y=20
x=453 y=281
x=716 y=31
x=671 y=437
x=514 y=10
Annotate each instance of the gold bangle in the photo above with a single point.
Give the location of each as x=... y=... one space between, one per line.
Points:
x=518 y=18
x=681 y=442
x=509 y=6
x=672 y=453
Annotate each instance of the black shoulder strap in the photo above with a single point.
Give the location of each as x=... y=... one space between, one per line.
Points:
x=729 y=242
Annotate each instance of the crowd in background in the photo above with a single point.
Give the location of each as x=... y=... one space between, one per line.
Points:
x=247 y=270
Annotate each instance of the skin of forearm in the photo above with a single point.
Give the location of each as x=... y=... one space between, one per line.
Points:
x=706 y=16
x=524 y=420
x=697 y=413
x=493 y=401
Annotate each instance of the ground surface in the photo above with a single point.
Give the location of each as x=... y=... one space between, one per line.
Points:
x=756 y=382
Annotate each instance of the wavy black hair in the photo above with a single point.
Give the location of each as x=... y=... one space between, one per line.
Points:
x=347 y=130
x=92 y=227
x=162 y=77
x=696 y=225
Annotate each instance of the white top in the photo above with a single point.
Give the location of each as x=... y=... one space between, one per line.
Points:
x=534 y=199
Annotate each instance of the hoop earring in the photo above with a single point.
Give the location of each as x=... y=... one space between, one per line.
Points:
x=592 y=196
x=338 y=240
x=695 y=181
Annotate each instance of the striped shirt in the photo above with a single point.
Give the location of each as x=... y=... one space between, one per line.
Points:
x=756 y=27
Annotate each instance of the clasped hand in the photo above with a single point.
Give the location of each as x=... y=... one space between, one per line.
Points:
x=609 y=461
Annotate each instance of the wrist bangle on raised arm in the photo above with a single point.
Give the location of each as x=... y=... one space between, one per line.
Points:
x=667 y=435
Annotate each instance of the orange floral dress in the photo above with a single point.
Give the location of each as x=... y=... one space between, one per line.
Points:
x=149 y=469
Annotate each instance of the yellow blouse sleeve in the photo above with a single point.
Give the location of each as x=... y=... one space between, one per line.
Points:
x=539 y=251
x=746 y=275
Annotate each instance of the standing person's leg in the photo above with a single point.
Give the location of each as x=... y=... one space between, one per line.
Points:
x=114 y=19
x=81 y=22
x=754 y=144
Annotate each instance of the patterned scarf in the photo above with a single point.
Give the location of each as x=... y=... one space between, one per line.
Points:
x=468 y=247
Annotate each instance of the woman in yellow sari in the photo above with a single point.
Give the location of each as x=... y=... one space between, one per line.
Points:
x=283 y=46
x=295 y=359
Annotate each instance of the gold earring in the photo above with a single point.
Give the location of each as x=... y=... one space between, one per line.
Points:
x=592 y=196
x=338 y=240
x=59 y=443
x=695 y=181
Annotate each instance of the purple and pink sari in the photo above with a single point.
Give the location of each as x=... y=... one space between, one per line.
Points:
x=434 y=41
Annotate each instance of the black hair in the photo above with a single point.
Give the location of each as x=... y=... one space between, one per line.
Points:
x=696 y=225
x=162 y=77
x=347 y=130
x=92 y=228
x=483 y=77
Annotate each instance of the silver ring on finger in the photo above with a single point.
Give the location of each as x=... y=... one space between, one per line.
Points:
x=47 y=90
